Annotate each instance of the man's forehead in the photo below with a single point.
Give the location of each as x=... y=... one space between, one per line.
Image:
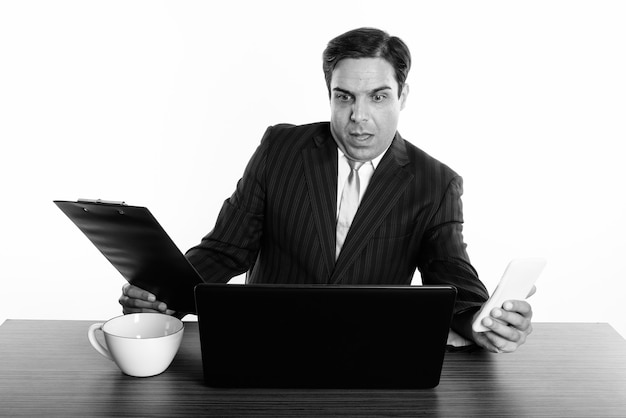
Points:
x=363 y=74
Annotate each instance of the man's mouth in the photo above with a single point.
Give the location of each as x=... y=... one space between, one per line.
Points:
x=360 y=136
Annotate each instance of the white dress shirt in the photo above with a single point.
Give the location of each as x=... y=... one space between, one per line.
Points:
x=365 y=174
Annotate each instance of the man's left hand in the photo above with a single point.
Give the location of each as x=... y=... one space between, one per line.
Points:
x=509 y=327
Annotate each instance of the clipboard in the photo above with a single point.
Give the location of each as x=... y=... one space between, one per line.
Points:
x=134 y=242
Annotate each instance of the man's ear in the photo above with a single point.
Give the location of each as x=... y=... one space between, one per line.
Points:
x=403 y=95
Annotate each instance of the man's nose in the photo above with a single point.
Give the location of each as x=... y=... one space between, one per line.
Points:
x=360 y=111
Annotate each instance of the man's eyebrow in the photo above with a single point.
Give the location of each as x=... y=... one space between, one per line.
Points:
x=373 y=91
x=340 y=90
x=379 y=89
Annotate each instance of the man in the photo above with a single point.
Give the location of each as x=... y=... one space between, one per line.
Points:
x=292 y=216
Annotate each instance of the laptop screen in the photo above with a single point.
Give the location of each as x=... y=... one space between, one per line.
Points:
x=323 y=336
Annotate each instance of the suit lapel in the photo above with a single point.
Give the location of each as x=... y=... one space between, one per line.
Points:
x=389 y=181
x=320 y=168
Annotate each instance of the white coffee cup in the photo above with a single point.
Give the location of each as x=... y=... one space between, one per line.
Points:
x=141 y=344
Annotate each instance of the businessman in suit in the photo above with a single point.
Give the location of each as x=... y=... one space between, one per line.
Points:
x=350 y=201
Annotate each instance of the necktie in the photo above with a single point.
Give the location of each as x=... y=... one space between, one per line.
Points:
x=348 y=205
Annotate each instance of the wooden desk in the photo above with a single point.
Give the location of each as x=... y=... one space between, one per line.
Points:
x=48 y=368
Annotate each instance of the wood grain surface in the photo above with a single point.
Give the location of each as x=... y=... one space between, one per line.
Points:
x=48 y=368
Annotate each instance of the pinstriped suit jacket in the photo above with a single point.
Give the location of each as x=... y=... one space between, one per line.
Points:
x=281 y=219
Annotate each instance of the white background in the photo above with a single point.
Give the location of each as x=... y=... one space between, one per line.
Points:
x=161 y=104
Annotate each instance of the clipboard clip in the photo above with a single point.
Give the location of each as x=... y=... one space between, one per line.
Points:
x=103 y=202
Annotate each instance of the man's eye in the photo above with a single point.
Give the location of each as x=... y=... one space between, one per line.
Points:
x=343 y=97
x=378 y=98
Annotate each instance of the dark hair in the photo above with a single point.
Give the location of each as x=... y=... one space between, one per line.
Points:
x=368 y=43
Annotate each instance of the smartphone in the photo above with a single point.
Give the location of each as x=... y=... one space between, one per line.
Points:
x=516 y=282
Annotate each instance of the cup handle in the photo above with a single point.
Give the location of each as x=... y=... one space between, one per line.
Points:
x=102 y=349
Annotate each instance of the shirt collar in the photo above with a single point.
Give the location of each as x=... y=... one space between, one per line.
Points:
x=374 y=161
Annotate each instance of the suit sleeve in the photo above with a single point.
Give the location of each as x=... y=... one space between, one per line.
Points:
x=444 y=258
x=232 y=246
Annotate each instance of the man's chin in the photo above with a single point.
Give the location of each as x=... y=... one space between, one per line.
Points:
x=362 y=154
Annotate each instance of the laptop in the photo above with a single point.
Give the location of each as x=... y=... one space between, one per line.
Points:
x=323 y=336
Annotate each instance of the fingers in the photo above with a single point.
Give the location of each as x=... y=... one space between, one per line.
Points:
x=135 y=299
x=505 y=340
x=137 y=293
x=489 y=341
x=509 y=327
x=514 y=313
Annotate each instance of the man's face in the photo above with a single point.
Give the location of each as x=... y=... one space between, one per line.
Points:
x=365 y=106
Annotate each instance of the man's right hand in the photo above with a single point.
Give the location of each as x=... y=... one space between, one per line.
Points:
x=135 y=299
